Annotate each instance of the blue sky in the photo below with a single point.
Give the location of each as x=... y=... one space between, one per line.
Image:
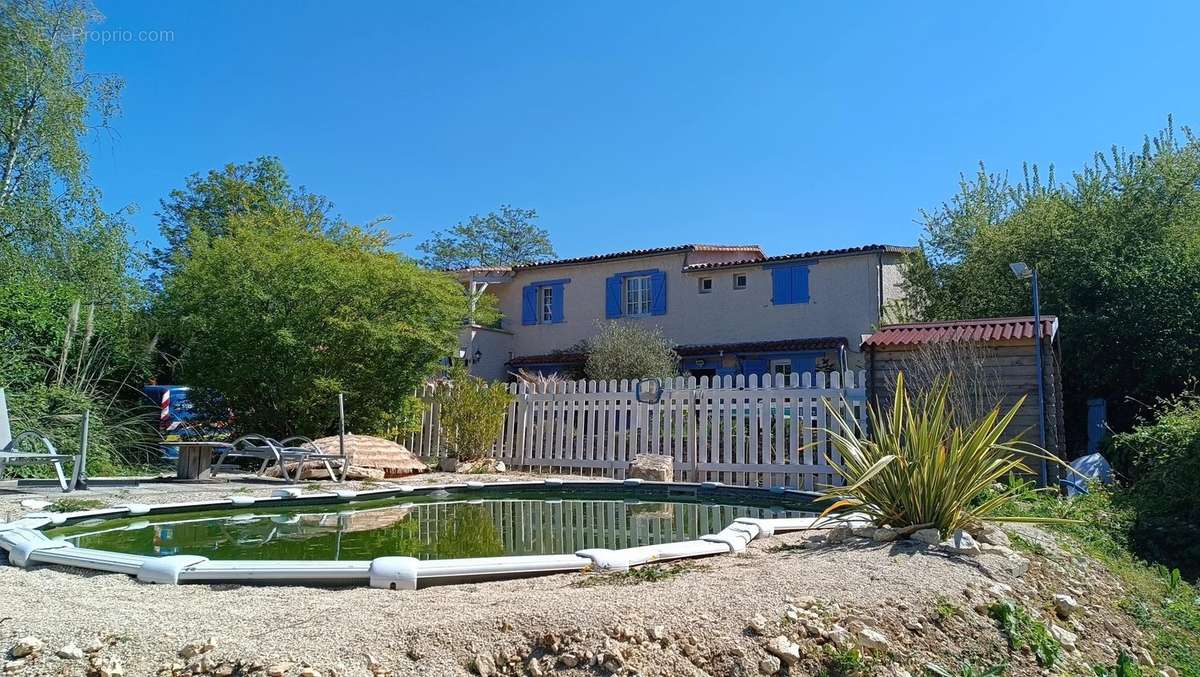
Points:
x=793 y=125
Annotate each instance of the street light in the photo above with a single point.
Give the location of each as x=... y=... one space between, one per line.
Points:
x=1026 y=272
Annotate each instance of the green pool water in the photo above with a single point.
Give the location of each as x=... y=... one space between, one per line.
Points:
x=428 y=527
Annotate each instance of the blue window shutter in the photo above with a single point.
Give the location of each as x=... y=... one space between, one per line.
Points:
x=800 y=284
x=529 y=304
x=658 y=293
x=781 y=285
x=612 y=297
x=556 y=303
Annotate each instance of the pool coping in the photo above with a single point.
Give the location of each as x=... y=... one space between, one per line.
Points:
x=27 y=545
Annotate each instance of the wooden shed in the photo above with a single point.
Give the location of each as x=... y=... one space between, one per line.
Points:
x=990 y=360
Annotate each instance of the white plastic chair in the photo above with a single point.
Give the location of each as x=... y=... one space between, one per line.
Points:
x=11 y=445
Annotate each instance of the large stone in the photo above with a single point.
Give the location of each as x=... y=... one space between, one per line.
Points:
x=927 y=536
x=870 y=638
x=787 y=650
x=1065 y=605
x=989 y=533
x=1065 y=637
x=652 y=468
x=769 y=665
x=27 y=646
x=961 y=543
x=69 y=652
x=484 y=665
x=885 y=535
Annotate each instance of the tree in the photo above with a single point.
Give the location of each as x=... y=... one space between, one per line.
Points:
x=1118 y=255
x=48 y=105
x=278 y=316
x=207 y=203
x=627 y=350
x=509 y=238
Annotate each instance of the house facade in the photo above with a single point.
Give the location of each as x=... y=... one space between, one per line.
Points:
x=730 y=309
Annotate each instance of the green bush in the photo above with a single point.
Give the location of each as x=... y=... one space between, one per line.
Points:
x=627 y=350
x=471 y=413
x=1162 y=457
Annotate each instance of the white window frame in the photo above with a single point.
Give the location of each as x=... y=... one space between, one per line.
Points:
x=745 y=283
x=546 y=305
x=706 y=289
x=781 y=362
x=635 y=291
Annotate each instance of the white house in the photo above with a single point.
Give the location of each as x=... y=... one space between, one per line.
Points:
x=731 y=309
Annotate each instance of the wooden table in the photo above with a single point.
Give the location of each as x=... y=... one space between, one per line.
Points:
x=195 y=459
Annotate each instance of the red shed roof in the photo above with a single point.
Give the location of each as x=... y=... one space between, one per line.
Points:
x=982 y=330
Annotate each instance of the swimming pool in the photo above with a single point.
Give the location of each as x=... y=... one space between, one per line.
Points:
x=408 y=537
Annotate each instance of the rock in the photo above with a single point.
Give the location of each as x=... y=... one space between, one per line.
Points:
x=807 y=602
x=837 y=535
x=1144 y=658
x=1065 y=637
x=927 y=536
x=651 y=467
x=839 y=636
x=112 y=669
x=534 y=668
x=568 y=660
x=309 y=672
x=484 y=665
x=885 y=535
x=197 y=647
x=35 y=504
x=914 y=624
x=863 y=532
x=14 y=666
x=870 y=638
x=991 y=534
x=961 y=543
x=278 y=670
x=500 y=467
x=223 y=670
x=95 y=646
x=658 y=633
x=27 y=646
x=448 y=464
x=69 y=652
x=769 y=665
x=787 y=650
x=1065 y=605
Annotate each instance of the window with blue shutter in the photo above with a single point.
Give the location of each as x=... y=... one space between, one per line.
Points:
x=641 y=292
x=542 y=302
x=789 y=283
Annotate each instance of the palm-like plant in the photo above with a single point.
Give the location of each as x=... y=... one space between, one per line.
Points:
x=919 y=468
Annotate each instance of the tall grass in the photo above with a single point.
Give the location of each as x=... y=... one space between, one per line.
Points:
x=919 y=467
x=123 y=433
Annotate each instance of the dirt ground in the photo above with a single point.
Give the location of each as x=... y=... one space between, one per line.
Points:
x=696 y=621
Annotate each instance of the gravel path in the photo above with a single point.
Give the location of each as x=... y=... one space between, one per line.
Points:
x=437 y=630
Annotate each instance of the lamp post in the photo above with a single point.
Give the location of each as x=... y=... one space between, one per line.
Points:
x=1026 y=272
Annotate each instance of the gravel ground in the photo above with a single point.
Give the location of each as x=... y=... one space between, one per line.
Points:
x=438 y=630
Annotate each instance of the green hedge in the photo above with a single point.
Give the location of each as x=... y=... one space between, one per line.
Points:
x=1161 y=460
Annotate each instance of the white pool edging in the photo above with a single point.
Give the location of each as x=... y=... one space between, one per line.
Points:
x=27 y=546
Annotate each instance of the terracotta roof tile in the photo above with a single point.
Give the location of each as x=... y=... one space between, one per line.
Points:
x=982 y=330
x=865 y=249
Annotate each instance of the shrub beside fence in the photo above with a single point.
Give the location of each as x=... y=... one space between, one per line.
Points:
x=753 y=431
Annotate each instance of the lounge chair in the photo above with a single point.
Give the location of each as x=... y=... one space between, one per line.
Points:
x=297 y=449
x=11 y=445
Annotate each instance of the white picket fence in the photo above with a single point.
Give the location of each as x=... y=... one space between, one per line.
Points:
x=752 y=431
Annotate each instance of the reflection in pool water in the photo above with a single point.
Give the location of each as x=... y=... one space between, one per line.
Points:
x=448 y=528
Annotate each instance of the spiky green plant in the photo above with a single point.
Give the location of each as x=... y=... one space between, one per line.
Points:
x=917 y=467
